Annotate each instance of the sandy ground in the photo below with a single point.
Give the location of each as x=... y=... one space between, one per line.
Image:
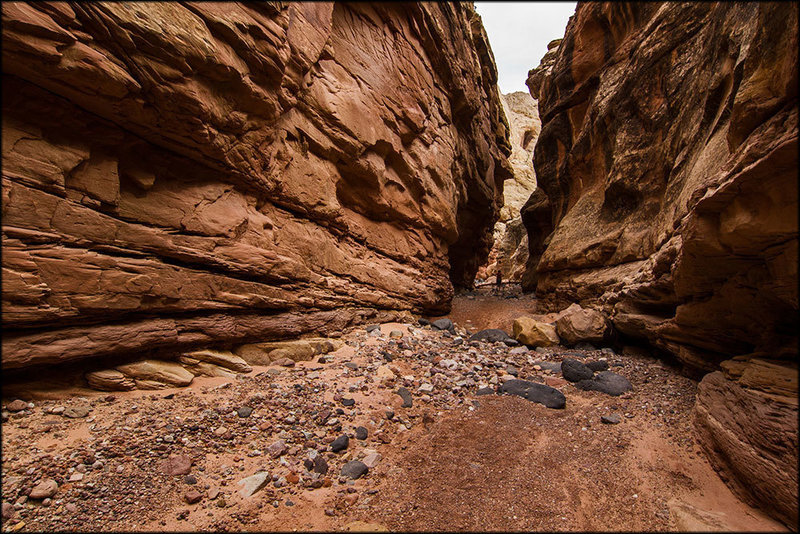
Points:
x=453 y=461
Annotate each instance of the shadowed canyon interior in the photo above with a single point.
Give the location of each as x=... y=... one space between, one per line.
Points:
x=179 y=176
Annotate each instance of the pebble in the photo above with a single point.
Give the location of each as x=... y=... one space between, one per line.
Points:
x=176 y=465
x=77 y=411
x=354 y=469
x=244 y=411
x=192 y=496
x=278 y=448
x=347 y=402
x=253 y=483
x=340 y=443
x=395 y=334
x=16 y=405
x=612 y=419
x=406 y=396
x=361 y=432
x=44 y=489
x=372 y=459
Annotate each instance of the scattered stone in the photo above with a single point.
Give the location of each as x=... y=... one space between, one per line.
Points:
x=607 y=382
x=361 y=432
x=75 y=477
x=284 y=362
x=574 y=371
x=253 y=483
x=444 y=324
x=554 y=367
x=426 y=388
x=372 y=327
x=192 y=496
x=493 y=335
x=16 y=406
x=244 y=411
x=347 y=402
x=320 y=465
x=372 y=459
x=8 y=510
x=354 y=469
x=395 y=334
x=277 y=449
x=612 y=419
x=597 y=366
x=176 y=465
x=406 y=396
x=550 y=397
x=485 y=391
x=340 y=443
x=533 y=333
x=577 y=324
x=44 y=489
x=190 y=479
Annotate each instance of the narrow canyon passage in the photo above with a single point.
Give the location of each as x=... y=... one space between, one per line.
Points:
x=315 y=266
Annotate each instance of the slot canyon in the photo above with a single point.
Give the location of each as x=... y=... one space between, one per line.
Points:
x=301 y=266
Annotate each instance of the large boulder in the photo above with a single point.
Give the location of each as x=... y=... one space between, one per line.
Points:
x=231 y=173
x=577 y=324
x=575 y=371
x=550 y=397
x=156 y=374
x=533 y=333
x=607 y=382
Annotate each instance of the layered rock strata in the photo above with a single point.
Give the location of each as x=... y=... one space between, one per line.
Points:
x=509 y=254
x=193 y=175
x=668 y=162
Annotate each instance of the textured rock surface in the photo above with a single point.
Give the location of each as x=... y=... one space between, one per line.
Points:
x=509 y=253
x=667 y=163
x=177 y=175
x=746 y=416
x=533 y=333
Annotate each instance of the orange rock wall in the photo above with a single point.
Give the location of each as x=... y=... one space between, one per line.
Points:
x=176 y=175
x=669 y=156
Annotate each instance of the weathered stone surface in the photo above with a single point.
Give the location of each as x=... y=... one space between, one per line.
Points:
x=222 y=358
x=746 y=418
x=668 y=156
x=533 y=333
x=200 y=368
x=297 y=350
x=577 y=324
x=550 y=397
x=668 y=163
x=164 y=372
x=109 y=380
x=182 y=175
x=509 y=254
x=607 y=382
x=493 y=335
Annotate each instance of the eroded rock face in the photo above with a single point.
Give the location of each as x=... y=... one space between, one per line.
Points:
x=668 y=158
x=185 y=175
x=509 y=254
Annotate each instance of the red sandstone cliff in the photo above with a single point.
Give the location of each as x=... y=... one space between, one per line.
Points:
x=176 y=174
x=668 y=156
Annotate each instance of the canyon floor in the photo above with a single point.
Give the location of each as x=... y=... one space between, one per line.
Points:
x=453 y=460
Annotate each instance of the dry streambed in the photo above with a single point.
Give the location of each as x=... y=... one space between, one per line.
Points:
x=266 y=449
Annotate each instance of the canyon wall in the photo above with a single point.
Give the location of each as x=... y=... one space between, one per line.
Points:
x=668 y=167
x=177 y=175
x=509 y=254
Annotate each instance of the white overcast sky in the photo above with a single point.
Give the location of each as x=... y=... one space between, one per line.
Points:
x=519 y=33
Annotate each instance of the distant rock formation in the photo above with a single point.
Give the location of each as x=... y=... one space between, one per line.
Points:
x=668 y=165
x=509 y=253
x=177 y=175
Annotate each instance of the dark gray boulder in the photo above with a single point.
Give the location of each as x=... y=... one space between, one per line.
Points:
x=607 y=382
x=444 y=324
x=493 y=335
x=600 y=365
x=575 y=371
x=550 y=397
